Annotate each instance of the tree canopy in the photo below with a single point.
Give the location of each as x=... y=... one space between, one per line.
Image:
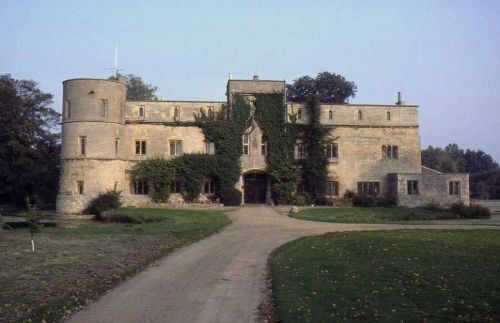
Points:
x=29 y=143
x=138 y=90
x=483 y=169
x=326 y=87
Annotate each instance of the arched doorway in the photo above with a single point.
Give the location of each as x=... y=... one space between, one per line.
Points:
x=255 y=184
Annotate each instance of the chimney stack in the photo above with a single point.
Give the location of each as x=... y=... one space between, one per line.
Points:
x=230 y=76
x=399 y=99
x=255 y=77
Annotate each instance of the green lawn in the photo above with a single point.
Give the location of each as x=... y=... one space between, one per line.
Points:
x=404 y=275
x=371 y=214
x=81 y=259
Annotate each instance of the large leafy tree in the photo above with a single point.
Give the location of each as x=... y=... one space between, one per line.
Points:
x=326 y=87
x=483 y=169
x=29 y=143
x=138 y=90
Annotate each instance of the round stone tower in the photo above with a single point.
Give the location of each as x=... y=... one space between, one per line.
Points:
x=93 y=130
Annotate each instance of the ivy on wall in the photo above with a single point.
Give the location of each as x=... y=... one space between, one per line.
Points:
x=314 y=166
x=225 y=129
x=284 y=172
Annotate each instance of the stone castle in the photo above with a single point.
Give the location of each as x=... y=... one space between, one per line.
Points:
x=376 y=151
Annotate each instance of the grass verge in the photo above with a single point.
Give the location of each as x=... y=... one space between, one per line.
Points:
x=77 y=261
x=404 y=275
x=372 y=214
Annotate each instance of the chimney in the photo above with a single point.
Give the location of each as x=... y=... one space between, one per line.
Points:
x=399 y=99
x=255 y=77
x=230 y=76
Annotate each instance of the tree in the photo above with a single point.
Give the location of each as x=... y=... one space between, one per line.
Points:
x=137 y=90
x=29 y=143
x=483 y=169
x=326 y=87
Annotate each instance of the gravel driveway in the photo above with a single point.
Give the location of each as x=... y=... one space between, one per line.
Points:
x=221 y=278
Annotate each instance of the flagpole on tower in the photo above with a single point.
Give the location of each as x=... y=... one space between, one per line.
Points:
x=116 y=61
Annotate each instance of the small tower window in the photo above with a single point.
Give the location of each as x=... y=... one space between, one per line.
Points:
x=117 y=144
x=388 y=115
x=177 y=113
x=263 y=146
x=80 y=187
x=299 y=114
x=360 y=115
x=141 y=112
x=67 y=109
x=104 y=108
x=83 y=145
x=246 y=144
x=330 y=115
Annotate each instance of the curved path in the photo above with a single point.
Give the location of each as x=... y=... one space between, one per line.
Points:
x=219 y=279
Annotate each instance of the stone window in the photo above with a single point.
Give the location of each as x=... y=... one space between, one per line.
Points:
x=209 y=148
x=176 y=186
x=360 y=115
x=390 y=152
x=454 y=188
x=83 y=145
x=330 y=115
x=67 y=109
x=332 y=150
x=332 y=188
x=117 y=145
x=263 y=146
x=299 y=114
x=141 y=112
x=140 y=187
x=209 y=186
x=369 y=188
x=388 y=115
x=80 y=187
x=246 y=144
x=412 y=187
x=140 y=147
x=104 y=108
x=177 y=113
x=300 y=150
x=176 y=148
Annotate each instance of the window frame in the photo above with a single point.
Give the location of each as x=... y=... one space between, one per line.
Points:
x=454 y=188
x=246 y=145
x=140 y=187
x=104 y=108
x=412 y=187
x=263 y=146
x=140 y=147
x=369 y=188
x=332 y=150
x=80 y=187
x=332 y=186
x=300 y=150
x=142 y=112
x=176 y=144
x=82 y=145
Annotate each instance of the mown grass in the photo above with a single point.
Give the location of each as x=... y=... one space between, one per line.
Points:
x=405 y=275
x=79 y=260
x=372 y=214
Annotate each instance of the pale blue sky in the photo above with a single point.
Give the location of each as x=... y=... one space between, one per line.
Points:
x=443 y=55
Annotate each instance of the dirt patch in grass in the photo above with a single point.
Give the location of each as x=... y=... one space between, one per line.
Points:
x=408 y=275
x=77 y=262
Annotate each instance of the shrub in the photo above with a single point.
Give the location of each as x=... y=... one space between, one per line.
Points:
x=230 y=196
x=434 y=206
x=473 y=211
x=110 y=199
x=119 y=217
x=4 y=226
x=370 y=201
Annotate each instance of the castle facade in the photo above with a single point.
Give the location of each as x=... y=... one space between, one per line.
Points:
x=375 y=151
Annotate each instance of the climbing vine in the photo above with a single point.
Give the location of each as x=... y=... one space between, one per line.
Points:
x=314 y=166
x=284 y=172
x=224 y=129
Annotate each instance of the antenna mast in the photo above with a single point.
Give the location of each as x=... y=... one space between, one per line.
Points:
x=116 y=61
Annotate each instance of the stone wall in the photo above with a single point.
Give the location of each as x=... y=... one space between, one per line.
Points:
x=432 y=188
